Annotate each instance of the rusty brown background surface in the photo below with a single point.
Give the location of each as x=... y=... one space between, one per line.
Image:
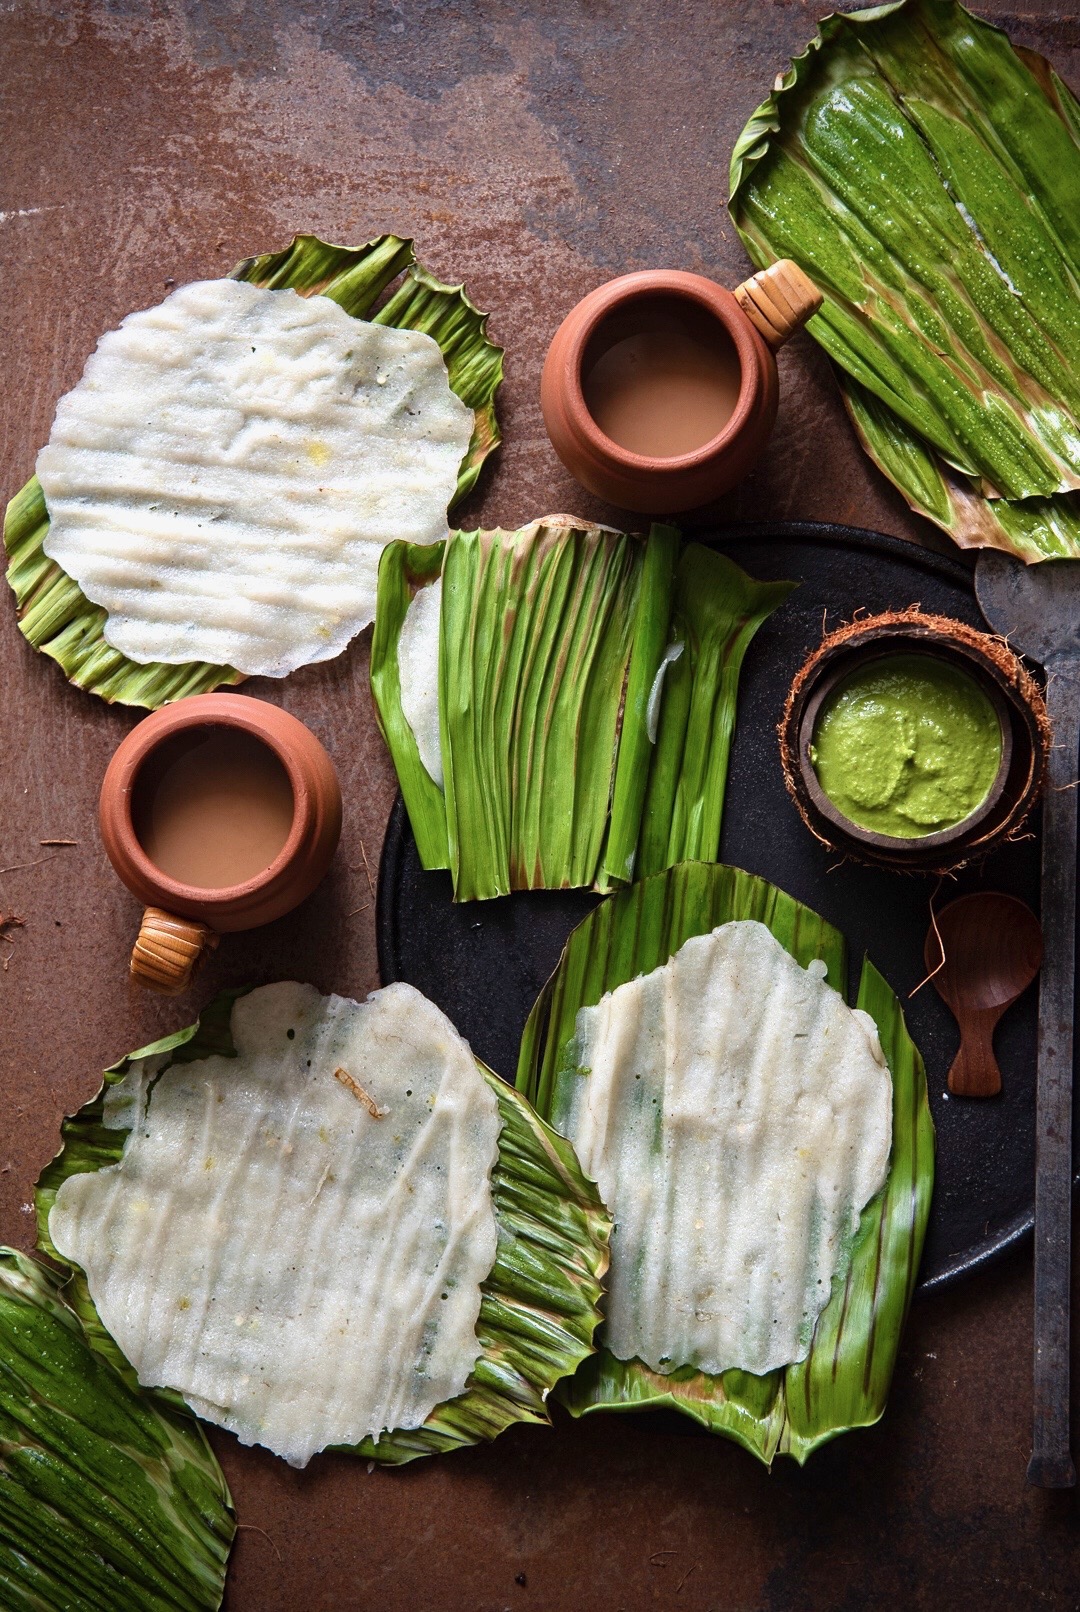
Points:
x=533 y=150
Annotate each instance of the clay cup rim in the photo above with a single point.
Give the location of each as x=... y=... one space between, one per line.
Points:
x=645 y=285
x=276 y=729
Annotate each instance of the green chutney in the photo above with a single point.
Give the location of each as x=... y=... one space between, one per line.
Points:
x=907 y=745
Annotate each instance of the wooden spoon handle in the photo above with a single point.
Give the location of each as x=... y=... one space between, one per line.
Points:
x=975 y=1071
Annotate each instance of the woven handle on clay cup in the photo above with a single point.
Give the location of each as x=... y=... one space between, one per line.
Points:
x=778 y=301
x=168 y=951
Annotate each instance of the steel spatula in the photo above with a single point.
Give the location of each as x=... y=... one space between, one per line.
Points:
x=1037 y=608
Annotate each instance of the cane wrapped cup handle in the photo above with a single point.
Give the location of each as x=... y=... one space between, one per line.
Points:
x=168 y=951
x=778 y=301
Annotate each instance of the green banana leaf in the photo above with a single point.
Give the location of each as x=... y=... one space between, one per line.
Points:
x=403 y=569
x=54 y=614
x=926 y=175
x=541 y=632
x=535 y=643
x=1031 y=528
x=717 y=611
x=550 y=641
x=844 y=1381
x=635 y=744
x=109 y=1500
x=539 y=1304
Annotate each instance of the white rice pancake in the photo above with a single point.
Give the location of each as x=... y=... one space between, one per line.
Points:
x=736 y=1115
x=227 y=472
x=418 y=674
x=295 y=1238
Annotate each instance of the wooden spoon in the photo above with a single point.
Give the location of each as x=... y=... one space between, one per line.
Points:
x=993 y=950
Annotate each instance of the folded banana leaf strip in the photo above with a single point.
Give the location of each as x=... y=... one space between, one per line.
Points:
x=539 y=1304
x=717 y=611
x=565 y=760
x=844 y=1381
x=534 y=648
x=109 y=1499
x=54 y=614
x=403 y=570
x=926 y=174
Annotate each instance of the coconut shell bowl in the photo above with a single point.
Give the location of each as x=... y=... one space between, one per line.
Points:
x=997 y=672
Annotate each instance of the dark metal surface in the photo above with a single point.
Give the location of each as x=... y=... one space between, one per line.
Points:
x=984 y=1197
x=1038 y=609
x=534 y=148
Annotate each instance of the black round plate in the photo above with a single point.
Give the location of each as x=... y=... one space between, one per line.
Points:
x=485 y=962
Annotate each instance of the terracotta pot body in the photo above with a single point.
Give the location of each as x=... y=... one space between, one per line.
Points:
x=631 y=480
x=298 y=868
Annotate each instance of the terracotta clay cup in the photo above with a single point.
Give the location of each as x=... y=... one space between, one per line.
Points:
x=758 y=317
x=182 y=921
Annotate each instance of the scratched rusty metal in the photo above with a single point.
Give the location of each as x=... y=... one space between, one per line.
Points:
x=534 y=149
